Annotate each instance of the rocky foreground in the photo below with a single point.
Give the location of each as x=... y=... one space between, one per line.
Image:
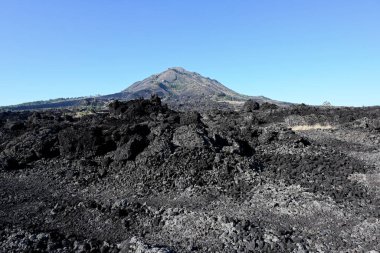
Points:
x=144 y=178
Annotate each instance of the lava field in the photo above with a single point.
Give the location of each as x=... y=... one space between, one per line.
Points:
x=142 y=177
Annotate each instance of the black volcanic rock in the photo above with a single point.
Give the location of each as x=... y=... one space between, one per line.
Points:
x=144 y=178
x=188 y=118
x=78 y=142
x=268 y=106
x=138 y=107
x=8 y=163
x=135 y=145
x=251 y=106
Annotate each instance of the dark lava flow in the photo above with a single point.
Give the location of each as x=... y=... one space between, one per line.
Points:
x=144 y=178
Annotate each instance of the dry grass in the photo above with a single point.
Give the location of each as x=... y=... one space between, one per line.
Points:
x=371 y=181
x=82 y=114
x=232 y=102
x=311 y=127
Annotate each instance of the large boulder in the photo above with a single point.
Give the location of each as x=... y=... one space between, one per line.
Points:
x=8 y=163
x=189 y=118
x=250 y=106
x=83 y=142
x=189 y=137
x=137 y=108
x=29 y=147
x=128 y=151
x=268 y=106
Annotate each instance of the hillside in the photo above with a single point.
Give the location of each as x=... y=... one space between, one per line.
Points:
x=179 y=88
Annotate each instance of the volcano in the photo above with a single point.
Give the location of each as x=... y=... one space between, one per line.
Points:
x=179 y=88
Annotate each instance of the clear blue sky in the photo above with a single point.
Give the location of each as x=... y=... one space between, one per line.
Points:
x=293 y=50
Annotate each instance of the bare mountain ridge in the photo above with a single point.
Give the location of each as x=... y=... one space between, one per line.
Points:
x=180 y=82
x=179 y=88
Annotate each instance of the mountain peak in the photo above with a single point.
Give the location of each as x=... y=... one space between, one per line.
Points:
x=170 y=75
x=181 y=88
x=178 y=69
x=178 y=83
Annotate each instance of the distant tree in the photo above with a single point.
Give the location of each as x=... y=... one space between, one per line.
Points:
x=327 y=104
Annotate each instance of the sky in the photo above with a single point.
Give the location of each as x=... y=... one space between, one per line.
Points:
x=295 y=50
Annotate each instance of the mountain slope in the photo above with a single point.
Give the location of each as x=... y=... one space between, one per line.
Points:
x=179 y=88
x=182 y=89
x=179 y=82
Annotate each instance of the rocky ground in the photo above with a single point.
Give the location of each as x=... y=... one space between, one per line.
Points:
x=144 y=178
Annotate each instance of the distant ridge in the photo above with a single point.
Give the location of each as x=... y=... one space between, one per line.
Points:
x=179 y=88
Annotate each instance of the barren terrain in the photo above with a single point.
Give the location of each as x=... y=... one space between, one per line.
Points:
x=145 y=178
